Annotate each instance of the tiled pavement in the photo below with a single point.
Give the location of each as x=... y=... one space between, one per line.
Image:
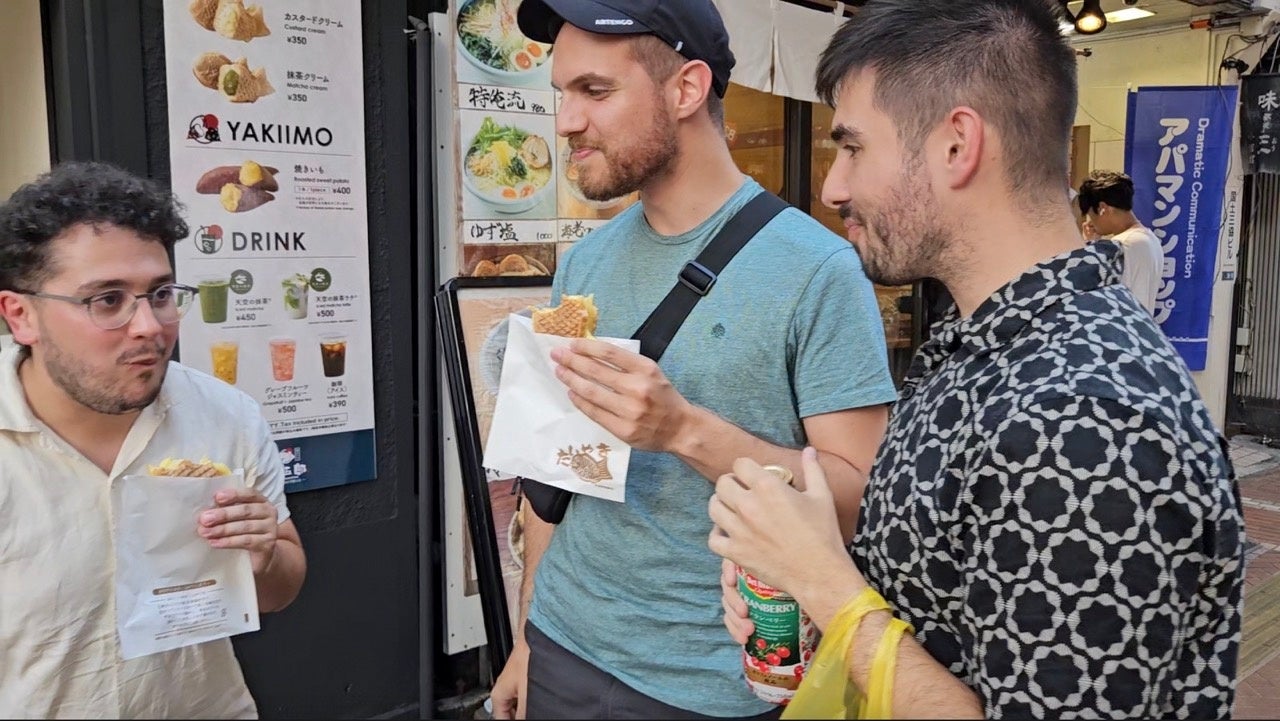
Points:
x=1258 y=686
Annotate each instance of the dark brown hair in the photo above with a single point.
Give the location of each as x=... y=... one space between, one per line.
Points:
x=1105 y=186
x=1006 y=59
x=79 y=193
x=661 y=61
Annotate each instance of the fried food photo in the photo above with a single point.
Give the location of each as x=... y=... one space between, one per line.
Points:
x=575 y=317
x=512 y=264
x=184 y=468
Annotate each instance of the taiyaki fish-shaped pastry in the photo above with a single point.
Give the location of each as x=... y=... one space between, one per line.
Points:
x=575 y=317
x=181 y=467
x=207 y=67
x=203 y=12
x=233 y=20
x=240 y=85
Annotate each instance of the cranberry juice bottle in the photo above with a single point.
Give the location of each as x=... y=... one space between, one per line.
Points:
x=780 y=649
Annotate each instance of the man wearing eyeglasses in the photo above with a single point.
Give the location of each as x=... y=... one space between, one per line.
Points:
x=87 y=395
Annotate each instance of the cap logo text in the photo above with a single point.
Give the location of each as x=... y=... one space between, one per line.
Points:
x=615 y=21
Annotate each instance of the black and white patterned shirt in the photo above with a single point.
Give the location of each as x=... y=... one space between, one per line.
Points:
x=1054 y=511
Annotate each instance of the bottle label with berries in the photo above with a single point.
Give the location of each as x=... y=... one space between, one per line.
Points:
x=781 y=647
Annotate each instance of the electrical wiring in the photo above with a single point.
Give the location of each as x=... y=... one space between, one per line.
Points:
x=1250 y=41
x=1245 y=304
x=1085 y=110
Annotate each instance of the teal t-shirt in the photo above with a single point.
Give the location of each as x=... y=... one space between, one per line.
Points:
x=790 y=330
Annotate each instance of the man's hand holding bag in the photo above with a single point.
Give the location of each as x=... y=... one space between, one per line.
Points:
x=537 y=434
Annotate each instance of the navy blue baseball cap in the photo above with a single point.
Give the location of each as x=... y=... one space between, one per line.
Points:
x=693 y=27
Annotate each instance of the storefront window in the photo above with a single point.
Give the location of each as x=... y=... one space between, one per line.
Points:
x=754 y=126
x=895 y=301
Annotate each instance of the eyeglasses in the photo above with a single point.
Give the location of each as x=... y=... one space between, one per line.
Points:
x=112 y=309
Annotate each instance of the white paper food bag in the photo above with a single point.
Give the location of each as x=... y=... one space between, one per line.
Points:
x=537 y=432
x=172 y=588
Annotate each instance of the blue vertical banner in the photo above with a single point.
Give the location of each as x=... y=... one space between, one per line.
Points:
x=1177 y=149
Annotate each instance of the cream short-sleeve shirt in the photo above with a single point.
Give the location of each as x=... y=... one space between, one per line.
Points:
x=1143 y=263
x=59 y=651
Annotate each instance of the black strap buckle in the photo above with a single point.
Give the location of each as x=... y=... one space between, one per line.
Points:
x=697 y=278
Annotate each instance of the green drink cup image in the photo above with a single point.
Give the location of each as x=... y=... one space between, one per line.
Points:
x=295 y=295
x=213 y=299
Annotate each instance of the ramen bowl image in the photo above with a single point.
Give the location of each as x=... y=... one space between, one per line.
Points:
x=508 y=168
x=490 y=40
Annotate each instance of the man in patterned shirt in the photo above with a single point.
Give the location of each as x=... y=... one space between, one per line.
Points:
x=1052 y=510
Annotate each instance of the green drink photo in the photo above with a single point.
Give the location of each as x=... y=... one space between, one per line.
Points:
x=295 y=295
x=213 y=299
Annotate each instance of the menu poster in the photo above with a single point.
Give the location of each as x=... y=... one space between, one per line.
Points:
x=508 y=175
x=520 y=203
x=267 y=152
x=514 y=209
x=484 y=313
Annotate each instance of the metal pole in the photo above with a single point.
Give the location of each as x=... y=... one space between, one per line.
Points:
x=427 y=374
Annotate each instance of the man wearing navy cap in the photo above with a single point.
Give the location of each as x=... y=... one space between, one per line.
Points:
x=787 y=349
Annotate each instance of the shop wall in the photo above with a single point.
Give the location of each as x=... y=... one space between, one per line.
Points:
x=1123 y=62
x=24 y=119
x=1119 y=64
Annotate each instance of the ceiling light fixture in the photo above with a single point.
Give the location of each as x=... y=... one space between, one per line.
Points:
x=1091 y=19
x=1124 y=15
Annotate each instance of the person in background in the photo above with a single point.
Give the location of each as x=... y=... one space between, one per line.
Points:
x=1053 y=511
x=786 y=349
x=89 y=394
x=1106 y=201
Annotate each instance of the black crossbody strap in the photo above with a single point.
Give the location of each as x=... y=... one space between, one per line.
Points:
x=698 y=277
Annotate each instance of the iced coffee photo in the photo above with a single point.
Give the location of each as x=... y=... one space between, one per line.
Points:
x=283 y=351
x=295 y=295
x=333 y=354
x=226 y=359
x=213 y=299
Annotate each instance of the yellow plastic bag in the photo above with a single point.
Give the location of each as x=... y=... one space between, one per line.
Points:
x=827 y=692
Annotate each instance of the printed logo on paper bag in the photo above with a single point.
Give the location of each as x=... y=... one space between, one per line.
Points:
x=590 y=464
